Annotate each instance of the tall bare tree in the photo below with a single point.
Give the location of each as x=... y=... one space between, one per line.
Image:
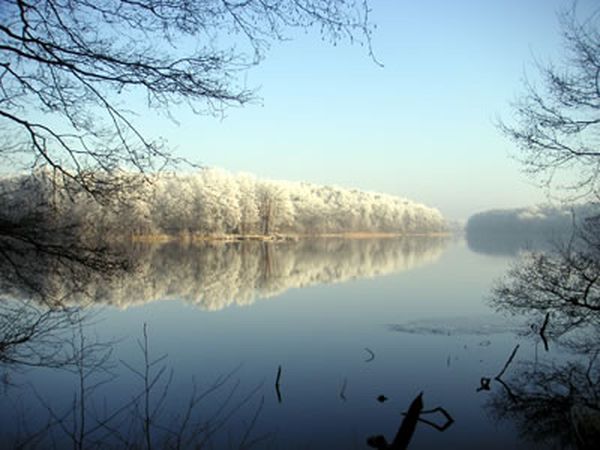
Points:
x=557 y=129
x=557 y=122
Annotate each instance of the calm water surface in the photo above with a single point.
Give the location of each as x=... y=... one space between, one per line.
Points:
x=337 y=323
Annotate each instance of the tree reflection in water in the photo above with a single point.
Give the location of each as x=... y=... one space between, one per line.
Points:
x=48 y=280
x=213 y=276
x=556 y=401
x=46 y=295
x=42 y=267
x=553 y=404
x=147 y=417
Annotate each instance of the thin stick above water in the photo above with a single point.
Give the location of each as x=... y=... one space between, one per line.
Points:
x=510 y=358
x=277 y=379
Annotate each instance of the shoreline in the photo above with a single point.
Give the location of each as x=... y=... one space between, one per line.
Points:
x=187 y=238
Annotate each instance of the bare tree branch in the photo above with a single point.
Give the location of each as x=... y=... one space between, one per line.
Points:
x=557 y=126
x=68 y=66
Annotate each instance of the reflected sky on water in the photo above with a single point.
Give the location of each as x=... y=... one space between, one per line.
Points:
x=347 y=321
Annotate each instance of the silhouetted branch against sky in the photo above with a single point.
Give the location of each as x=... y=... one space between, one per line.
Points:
x=557 y=121
x=69 y=67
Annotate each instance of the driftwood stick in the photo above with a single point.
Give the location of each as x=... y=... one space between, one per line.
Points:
x=408 y=425
x=543 y=331
x=510 y=358
x=440 y=409
x=343 y=390
x=446 y=414
x=277 y=384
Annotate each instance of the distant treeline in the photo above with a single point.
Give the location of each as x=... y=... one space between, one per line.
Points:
x=214 y=202
x=543 y=219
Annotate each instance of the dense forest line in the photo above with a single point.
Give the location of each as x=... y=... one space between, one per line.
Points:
x=212 y=202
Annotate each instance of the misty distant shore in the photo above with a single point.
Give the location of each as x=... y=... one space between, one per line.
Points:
x=508 y=231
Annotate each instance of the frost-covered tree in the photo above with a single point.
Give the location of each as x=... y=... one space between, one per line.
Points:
x=166 y=207
x=275 y=209
x=215 y=202
x=248 y=204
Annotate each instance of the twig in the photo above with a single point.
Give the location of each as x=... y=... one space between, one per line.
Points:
x=245 y=443
x=543 y=331
x=409 y=424
x=277 y=384
x=510 y=358
x=343 y=390
x=405 y=431
x=509 y=392
x=446 y=414
x=372 y=355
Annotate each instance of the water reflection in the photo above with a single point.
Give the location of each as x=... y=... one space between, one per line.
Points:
x=326 y=379
x=559 y=291
x=554 y=400
x=216 y=275
x=511 y=244
x=89 y=415
x=34 y=335
x=42 y=266
x=556 y=404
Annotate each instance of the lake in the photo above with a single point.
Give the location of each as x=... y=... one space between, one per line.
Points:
x=314 y=344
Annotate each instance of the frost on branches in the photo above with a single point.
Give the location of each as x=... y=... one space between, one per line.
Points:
x=213 y=202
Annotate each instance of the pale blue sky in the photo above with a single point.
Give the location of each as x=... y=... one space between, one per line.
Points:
x=420 y=127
